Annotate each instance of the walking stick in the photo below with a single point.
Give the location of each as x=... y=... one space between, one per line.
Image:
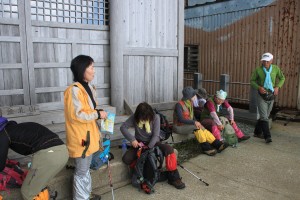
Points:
x=110 y=180
x=193 y=174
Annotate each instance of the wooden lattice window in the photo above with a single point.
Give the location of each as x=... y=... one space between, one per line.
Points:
x=71 y=11
x=9 y=9
x=191 y=53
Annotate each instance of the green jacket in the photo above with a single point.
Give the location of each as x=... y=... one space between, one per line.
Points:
x=258 y=77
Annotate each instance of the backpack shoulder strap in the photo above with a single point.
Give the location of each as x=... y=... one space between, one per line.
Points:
x=139 y=167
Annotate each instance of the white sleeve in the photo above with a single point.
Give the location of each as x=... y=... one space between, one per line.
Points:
x=80 y=114
x=230 y=111
x=216 y=118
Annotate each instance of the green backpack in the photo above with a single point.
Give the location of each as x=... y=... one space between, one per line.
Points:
x=228 y=133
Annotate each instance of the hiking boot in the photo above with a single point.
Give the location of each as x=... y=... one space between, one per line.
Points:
x=211 y=152
x=95 y=197
x=245 y=137
x=261 y=136
x=178 y=184
x=268 y=140
x=222 y=147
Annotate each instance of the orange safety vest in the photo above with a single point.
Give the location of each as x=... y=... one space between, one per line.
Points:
x=185 y=113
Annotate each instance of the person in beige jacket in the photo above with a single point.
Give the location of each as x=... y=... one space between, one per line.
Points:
x=83 y=135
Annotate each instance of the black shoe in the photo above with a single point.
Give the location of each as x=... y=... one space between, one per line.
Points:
x=178 y=184
x=268 y=140
x=222 y=147
x=95 y=197
x=245 y=137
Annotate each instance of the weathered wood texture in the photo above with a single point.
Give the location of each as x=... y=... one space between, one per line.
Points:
x=14 y=87
x=34 y=66
x=149 y=51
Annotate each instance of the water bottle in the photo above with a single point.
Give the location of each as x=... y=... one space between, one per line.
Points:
x=124 y=147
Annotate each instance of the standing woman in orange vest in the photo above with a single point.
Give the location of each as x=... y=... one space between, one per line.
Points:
x=83 y=135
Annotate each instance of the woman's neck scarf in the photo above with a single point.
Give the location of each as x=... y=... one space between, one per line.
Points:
x=147 y=125
x=268 y=81
x=189 y=105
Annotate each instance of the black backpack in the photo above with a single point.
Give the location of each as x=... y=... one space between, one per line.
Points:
x=165 y=127
x=147 y=169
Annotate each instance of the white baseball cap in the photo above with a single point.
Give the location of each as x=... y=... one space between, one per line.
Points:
x=266 y=57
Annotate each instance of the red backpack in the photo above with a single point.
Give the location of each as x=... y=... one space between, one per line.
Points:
x=12 y=176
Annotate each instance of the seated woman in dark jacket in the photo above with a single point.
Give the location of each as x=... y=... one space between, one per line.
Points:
x=147 y=127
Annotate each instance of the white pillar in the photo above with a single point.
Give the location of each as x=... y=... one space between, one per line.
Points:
x=117 y=32
x=180 y=47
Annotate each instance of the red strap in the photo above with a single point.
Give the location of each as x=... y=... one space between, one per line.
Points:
x=14 y=174
x=3 y=180
x=12 y=162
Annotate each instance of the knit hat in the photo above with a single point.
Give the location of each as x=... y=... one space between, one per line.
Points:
x=188 y=93
x=221 y=94
x=201 y=92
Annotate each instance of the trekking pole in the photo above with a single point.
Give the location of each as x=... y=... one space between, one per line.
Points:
x=110 y=179
x=192 y=174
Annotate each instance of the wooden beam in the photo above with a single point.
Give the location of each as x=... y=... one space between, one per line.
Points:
x=10 y=39
x=18 y=111
x=11 y=92
x=51 y=106
x=137 y=51
x=11 y=66
x=69 y=41
x=64 y=65
x=63 y=88
x=70 y=25
x=9 y=21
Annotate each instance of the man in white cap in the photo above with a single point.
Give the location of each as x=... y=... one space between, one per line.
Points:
x=263 y=79
x=211 y=112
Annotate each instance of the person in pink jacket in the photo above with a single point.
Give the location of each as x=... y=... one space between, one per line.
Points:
x=211 y=112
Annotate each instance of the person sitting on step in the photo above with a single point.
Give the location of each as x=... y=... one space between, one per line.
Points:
x=184 y=121
x=212 y=111
x=147 y=127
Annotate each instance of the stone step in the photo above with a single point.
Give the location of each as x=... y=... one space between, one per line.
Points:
x=62 y=183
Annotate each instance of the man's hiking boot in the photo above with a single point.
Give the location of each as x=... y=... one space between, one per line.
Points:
x=211 y=152
x=95 y=197
x=222 y=147
x=245 y=137
x=175 y=179
x=261 y=136
x=177 y=183
x=268 y=140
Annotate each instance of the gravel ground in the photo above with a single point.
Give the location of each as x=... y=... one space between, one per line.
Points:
x=191 y=148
